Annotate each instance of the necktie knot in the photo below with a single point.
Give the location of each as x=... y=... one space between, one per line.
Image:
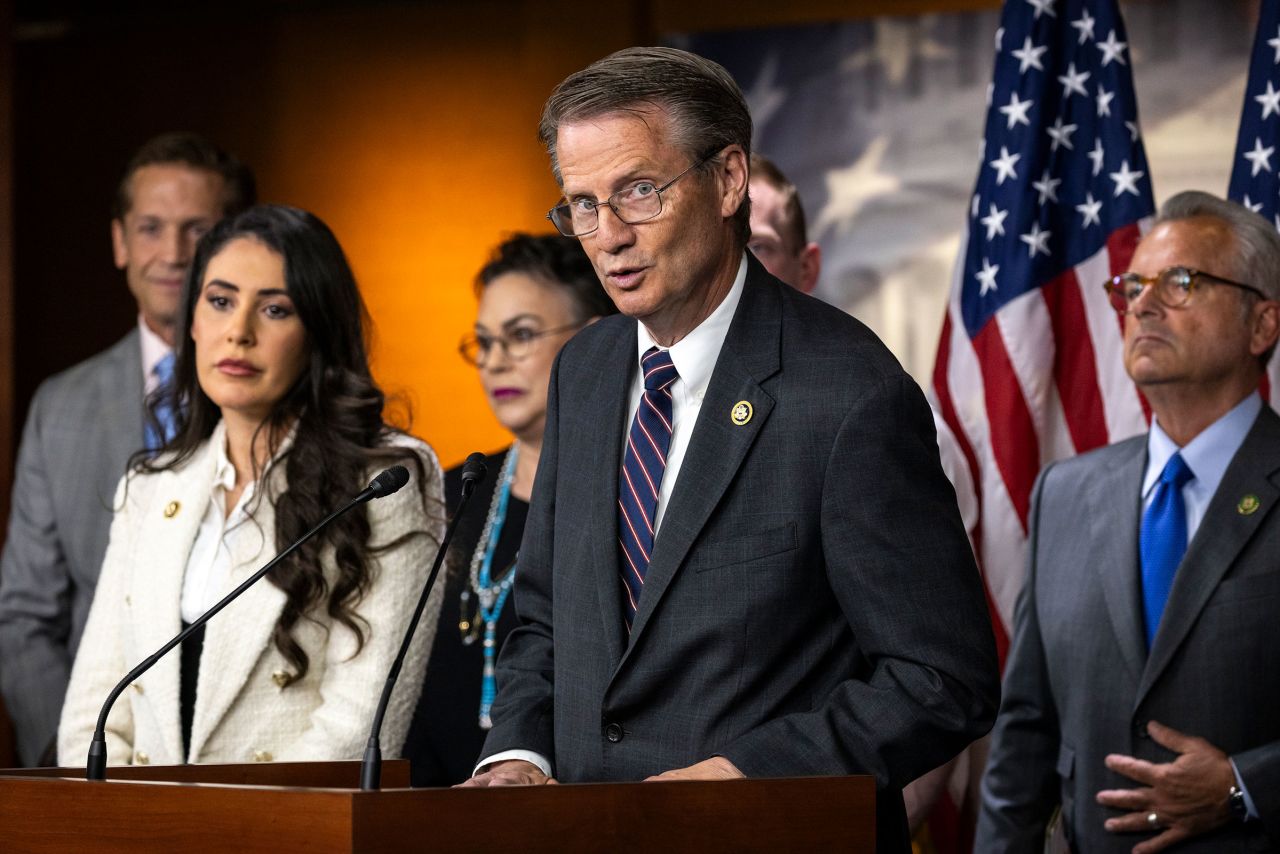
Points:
x=163 y=369
x=659 y=371
x=1176 y=472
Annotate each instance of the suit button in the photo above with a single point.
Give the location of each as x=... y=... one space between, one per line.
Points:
x=1140 y=730
x=141 y=758
x=613 y=732
x=261 y=756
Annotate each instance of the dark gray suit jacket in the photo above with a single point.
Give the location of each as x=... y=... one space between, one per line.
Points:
x=81 y=428
x=812 y=605
x=1079 y=683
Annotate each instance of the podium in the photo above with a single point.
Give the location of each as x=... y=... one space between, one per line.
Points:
x=318 y=807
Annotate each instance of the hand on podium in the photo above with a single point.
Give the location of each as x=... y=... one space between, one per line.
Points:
x=510 y=772
x=715 y=768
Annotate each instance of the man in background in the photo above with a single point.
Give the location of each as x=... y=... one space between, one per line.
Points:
x=84 y=423
x=779 y=236
x=1140 y=692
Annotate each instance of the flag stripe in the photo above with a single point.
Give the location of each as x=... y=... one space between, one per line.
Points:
x=1074 y=368
x=1013 y=433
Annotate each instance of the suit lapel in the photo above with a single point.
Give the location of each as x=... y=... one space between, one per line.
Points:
x=121 y=414
x=1223 y=532
x=717 y=447
x=167 y=533
x=236 y=638
x=605 y=440
x=1114 y=556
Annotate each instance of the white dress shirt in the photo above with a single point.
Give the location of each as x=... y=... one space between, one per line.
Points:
x=695 y=358
x=154 y=349
x=209 y=565
x=1207 y=455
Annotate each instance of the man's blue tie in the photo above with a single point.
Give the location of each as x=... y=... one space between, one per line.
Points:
x=1163 y=541
x=643 y=464
x=163 y=372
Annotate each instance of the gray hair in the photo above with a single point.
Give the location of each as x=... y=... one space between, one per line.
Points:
x=704 y=105
x=1256 y=256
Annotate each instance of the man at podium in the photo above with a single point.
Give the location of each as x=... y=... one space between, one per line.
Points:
x=742 y=557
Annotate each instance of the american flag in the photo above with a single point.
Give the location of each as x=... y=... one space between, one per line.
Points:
x=1255 y=175
x=1029 y=365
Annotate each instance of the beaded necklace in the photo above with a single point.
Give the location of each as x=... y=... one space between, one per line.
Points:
x=491 y=595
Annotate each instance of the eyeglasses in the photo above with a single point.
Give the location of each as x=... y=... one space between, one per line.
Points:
x=517 y=344
x=638 y=203
x=1173 y=287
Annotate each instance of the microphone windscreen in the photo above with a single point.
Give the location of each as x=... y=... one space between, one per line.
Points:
x=474 y=468
x=389 y=481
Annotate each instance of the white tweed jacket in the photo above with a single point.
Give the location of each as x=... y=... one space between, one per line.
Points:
x=242 y=714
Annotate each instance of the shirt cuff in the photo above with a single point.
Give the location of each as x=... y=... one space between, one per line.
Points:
x=1248 y=801
x=544 y=764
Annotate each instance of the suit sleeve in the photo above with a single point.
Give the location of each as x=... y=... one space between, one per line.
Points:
x=35 y=592
x=523 y=711
x=100 y=660
x=1020 y=787
x=352 y=683
x=1260 y=772
x=900 y=566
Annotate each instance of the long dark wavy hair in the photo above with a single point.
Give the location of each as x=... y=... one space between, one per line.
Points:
x=335 y=407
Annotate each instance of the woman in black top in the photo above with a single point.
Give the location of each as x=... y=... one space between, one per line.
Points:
x=534 y=294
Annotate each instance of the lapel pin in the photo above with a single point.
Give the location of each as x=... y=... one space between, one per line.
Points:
x=171 y=509
x=741 y=413
x=1248 y=505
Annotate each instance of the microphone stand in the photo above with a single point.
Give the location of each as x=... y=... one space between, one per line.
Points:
x=96 y=767
x=473 y=472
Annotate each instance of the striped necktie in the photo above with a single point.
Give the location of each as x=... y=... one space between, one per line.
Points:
x=1163 y=541
x=165 y=417
x=643 y=463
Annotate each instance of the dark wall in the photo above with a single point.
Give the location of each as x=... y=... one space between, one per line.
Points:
x=86 y=96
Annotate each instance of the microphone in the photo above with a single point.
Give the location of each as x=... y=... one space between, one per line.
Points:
x=473 y=471
x=386 y=483
x=383 y=485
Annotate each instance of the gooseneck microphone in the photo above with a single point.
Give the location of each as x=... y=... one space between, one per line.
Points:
x=473 y=471
x=381 y=486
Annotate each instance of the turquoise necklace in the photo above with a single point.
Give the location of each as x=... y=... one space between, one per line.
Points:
x=492 y=596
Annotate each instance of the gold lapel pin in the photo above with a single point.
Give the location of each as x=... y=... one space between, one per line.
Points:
x=741 y=413
x=1248 y=505
x=171 y=509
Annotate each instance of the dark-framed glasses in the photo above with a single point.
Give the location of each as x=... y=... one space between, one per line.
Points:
x=517 y=344
x=1173 y=287
x=637 y=203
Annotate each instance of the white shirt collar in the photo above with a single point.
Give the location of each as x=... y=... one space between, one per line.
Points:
x=224 y=473
x=1209 y=453
x=695 y=354
x=154 y=349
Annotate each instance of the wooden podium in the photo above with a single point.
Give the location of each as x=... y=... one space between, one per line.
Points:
x=318 y=807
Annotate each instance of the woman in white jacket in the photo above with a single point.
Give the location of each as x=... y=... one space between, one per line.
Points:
x=275 y=422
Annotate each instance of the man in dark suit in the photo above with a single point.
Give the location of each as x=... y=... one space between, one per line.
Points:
x=1141 y=691
x=85 y=422
x=743 y=559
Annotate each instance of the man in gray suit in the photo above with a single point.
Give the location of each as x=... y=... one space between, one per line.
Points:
x=744 y=559
x=1141 y=692
x=85 y=422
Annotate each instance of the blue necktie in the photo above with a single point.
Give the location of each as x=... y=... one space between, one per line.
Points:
x=643 y=464
x=163 y=372
x=1163 y=541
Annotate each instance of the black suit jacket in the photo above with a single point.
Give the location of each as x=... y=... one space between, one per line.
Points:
x=811 y=605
